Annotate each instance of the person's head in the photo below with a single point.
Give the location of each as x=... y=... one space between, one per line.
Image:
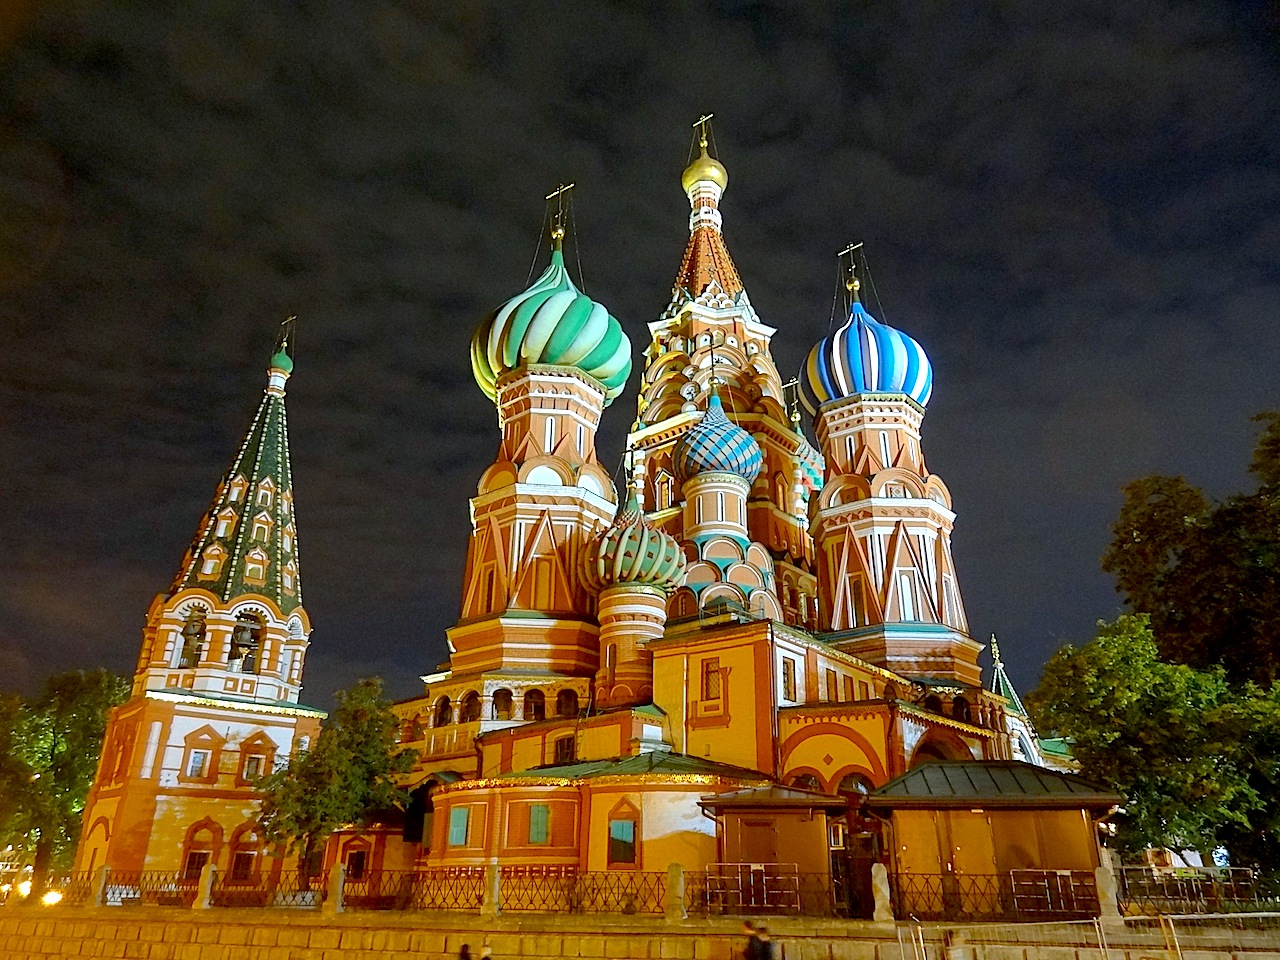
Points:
x=486 y=952
x=748 y=927
x=465 y=952
x=762 y=933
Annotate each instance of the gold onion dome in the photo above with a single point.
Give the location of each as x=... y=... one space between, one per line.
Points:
x=556 y=324
x=705 y=167
x=630 y=552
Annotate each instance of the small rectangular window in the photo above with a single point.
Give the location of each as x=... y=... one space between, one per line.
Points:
x=564 y=750
x=195 y=862
x=866 y=690
x=622 y=841
x=253 y=766
x=243 y=865
x=458 y=817
x=907 y=596
x=539 y=823
x=788 y=678
x=198 y=764
x=848 y=688
x=833 y=691
x=711 y=678
x=357 y=861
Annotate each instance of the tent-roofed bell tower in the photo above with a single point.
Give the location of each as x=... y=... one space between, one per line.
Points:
x=214 y=704
x=887 y=583
x=710 y=334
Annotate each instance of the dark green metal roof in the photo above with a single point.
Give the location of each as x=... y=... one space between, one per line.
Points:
x=263 y=457
x=653 y=762
x=989 y=783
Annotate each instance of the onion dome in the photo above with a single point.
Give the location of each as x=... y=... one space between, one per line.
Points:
x=705 y=167
x=632 y=552
x=864 y=356
x=552 y=323
x=716 y=445
x=281 y=360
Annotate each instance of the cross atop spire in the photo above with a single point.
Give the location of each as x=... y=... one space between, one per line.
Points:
x=561 y=212
x=852 y=283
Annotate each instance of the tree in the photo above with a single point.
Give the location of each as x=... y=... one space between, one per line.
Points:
x=49 y=750
x=347 y=776
x=1179 y=744
x=1208 y=574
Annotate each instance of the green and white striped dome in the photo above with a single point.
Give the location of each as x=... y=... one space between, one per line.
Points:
x=556 y=324
x=632 y=552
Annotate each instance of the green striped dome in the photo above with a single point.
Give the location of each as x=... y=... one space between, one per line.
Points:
x=552 y=323
x=632 y=552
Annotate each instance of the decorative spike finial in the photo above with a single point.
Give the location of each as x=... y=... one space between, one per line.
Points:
x=558 y=218
x=995 y=649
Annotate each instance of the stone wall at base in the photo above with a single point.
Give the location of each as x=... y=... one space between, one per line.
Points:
x=167 y=933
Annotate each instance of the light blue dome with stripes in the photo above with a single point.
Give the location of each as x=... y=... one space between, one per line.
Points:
x=864 y=356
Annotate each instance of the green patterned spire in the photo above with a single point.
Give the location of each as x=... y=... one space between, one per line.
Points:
x=248 y=541
x=1000 y=682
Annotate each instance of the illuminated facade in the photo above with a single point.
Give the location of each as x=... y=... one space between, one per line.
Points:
x=214 y=704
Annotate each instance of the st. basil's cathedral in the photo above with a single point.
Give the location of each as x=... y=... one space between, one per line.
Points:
x=755 y=653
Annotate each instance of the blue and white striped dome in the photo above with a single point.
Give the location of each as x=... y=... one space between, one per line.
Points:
x=864 y=356
x=715 y=444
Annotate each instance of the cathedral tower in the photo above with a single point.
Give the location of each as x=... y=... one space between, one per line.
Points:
x=551 y=359
x=882 y=525
x=214 y=704
x=709 y=333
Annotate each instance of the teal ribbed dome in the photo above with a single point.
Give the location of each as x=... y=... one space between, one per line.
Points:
x=552 y=323
x=632 y=552
x=281 y=361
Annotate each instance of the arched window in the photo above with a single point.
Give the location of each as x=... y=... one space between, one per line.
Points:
x=960 y=710
x=246 y=854
x=933 y=703
x=567 y=703
x=535 y=705
x=246 y=644
x=469 y=708
x=502 y=704
x=444 y=712
x=200 y=847
x=193 y=637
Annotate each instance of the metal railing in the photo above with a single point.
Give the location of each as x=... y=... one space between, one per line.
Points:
x=379 y=890
x=1186 y=890
x=448 y=888
x=158 y=888
x=1238 y=933
x=283 y=888
x=76 y=888
x=1017 y=895
x=740 y=889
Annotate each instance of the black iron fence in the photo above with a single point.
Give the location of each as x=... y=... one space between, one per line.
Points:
x=281 y=888
x=1017 y=895
x=448 y=888
x=567 y=890
x=1188 y=890
x=154 y=887
x=742 y=889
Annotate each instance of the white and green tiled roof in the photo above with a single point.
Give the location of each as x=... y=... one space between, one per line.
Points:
x=248 y=541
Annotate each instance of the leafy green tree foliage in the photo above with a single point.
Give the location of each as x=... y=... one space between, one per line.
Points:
x=1207 y=573
x=1180 y=744
x=49 y=749
x=347 y=776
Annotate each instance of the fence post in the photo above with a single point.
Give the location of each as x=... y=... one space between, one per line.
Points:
x=204 y=888
x=491 y=905
x=337 y=880
x=880 y=891
x=1108 y=891
x=99 y=896
x=673 y=902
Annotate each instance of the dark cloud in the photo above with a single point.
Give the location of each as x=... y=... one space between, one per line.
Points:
x=1075 y=210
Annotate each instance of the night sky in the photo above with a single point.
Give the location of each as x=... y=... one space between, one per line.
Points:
x=1075 y=208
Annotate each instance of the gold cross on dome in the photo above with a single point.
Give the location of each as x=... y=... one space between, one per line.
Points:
x=557 y=223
